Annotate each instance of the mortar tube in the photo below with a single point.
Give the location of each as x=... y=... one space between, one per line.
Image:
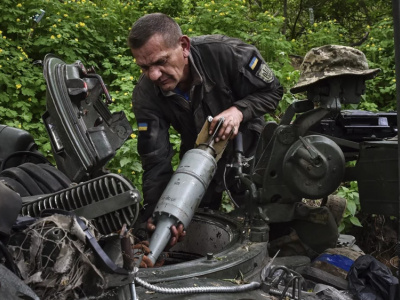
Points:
x=161 y=236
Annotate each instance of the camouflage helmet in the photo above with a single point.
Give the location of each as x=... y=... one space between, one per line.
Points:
x=329 y=61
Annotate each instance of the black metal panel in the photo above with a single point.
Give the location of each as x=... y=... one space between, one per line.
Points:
x=377 y=174
x=84 y=134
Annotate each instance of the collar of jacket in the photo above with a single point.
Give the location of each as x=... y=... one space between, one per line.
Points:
x=197 y=62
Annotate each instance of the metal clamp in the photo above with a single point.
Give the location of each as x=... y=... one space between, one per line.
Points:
x=280 y=280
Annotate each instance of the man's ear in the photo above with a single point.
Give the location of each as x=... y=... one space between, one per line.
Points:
x=185 y=44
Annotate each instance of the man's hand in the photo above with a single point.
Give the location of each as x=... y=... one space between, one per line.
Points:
x=177 y=233
x=232 y=119
x=143 y=248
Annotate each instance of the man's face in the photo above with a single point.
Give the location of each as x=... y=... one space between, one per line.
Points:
x=166 y=67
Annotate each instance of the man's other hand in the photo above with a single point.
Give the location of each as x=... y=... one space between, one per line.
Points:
x=177 y=233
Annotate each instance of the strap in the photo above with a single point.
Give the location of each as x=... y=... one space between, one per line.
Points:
x=94 y=245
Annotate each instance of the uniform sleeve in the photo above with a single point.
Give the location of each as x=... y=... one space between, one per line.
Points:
x=255 y=86
x=154 y=149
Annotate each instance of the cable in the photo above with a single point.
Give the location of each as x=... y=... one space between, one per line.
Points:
x=199 y=289
x=227 y=190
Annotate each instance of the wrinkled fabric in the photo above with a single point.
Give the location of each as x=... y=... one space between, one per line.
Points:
x=369 y=279
x=329 y=61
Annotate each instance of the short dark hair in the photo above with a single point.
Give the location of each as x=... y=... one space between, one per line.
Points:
x=157 y=23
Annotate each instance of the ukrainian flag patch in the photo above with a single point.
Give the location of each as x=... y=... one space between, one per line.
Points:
x=260 y=69
x=142 y=126
x=253 y=63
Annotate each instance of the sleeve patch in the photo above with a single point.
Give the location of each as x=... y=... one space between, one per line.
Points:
x=253 y=63
x=260 y=69
x=265 y=73
x=142 y=126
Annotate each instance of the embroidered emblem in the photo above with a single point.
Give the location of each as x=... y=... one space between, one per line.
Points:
x=265 y=73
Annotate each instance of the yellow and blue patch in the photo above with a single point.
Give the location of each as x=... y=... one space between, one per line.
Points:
x=260 y=69
x=253 y=63
x=142 y=126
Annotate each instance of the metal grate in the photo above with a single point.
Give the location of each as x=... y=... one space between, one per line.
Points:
x=109 y=201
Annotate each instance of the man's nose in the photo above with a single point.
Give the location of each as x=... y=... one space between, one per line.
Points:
x=154 y=73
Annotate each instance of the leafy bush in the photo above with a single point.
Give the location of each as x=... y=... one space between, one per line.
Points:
x=91 y=31
x=379 y=49
x=350 y=193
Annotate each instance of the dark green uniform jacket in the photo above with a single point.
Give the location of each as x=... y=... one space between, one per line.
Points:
x=226 y=72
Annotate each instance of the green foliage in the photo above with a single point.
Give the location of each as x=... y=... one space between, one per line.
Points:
x=127 y=162
x=350 y=14
x=319 y=34
x=350 y=193
x=175 y=139
x=226 y=203
x=21 y=83
x=379 y=49
x=91 y=31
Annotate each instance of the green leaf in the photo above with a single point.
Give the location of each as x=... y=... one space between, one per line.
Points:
x=351 y=206
x=27 y=117
x=124 y=161
x=4 y=98
x=136 y=166
x=345 y=189
x=355 y=221
x=11 y=113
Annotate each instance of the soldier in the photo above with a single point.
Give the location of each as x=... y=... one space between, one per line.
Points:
x=185 y=80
